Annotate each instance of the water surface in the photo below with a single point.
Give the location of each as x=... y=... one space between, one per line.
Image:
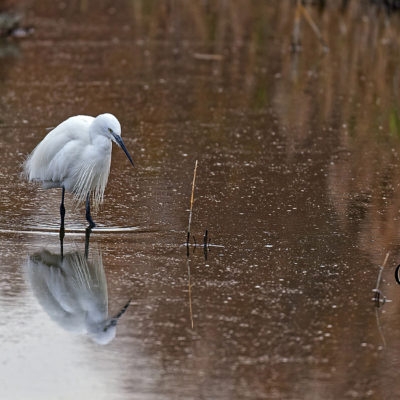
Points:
x=297 y=185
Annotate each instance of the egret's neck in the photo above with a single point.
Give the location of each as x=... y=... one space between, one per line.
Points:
x=101 y=143
x=98 y=140
x=93 y=131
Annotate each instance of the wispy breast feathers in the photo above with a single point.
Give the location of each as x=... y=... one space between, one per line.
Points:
x=91 y=177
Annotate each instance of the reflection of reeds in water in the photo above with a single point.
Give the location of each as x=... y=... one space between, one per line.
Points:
x=349 y=99
x=254 y=41
x=301 y=11
x=360 y=67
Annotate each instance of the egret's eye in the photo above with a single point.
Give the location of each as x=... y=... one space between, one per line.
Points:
x=110 y=130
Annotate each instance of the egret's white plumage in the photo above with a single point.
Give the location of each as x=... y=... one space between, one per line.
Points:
x=73 y=292
x=76 y=156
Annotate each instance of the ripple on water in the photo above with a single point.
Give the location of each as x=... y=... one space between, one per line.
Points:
x=72 y=229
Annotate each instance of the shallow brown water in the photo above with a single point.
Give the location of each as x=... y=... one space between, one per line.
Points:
x=297 y=185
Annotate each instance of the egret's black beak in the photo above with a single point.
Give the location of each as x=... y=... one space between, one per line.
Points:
x=120 y=143
x=124 y=308
x=113 y=321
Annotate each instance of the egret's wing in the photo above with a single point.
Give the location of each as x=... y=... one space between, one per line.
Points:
x=73 y=131
x=50 y=287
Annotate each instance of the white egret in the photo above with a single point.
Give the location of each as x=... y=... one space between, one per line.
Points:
x=72 y=290
x=76 y=156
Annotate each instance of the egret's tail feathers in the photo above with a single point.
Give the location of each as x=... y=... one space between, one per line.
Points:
x=34 y=168
x=26 y=168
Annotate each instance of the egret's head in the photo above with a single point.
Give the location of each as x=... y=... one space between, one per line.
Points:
x=104 y=335
x=107 y=125
x=104 y=332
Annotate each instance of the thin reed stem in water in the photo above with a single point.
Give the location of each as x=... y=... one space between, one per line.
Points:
x=381 y=269
x=378 y=300
x=191 y=204
x=187 y=245
x=378 y=281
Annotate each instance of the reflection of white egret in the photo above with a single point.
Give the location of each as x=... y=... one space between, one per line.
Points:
x=73 y=292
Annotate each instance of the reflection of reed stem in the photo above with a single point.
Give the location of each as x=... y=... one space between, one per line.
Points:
x=191 y=204
x=205 y=239
x=190 y=293
x=296 y=29
x=205 y=247
x=378 y=323
x=301 y=9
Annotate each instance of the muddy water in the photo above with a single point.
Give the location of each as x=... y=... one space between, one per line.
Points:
x=297 y=185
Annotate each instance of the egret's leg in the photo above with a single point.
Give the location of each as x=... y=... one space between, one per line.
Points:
x=62 y=208
x=62 y=213
x=62 y=242
x=88 y=216
x=87 y=239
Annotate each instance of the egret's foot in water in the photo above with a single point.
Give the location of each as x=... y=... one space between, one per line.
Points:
x=91 y=223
